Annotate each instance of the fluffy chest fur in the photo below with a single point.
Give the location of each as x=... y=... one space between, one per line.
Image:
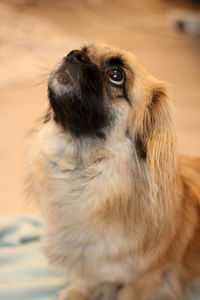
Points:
x=86 y=202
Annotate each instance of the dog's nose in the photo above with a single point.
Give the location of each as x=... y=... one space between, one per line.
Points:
x=77 y=56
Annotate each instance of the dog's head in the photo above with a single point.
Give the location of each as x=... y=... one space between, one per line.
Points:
x=90 y=87
x=100 y=91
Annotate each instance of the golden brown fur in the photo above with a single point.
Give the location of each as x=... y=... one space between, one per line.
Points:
x=122 y=211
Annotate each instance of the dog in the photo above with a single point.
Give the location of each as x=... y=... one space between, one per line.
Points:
x=121 y=209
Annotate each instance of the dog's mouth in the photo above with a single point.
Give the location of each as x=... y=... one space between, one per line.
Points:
x=76 y=95
x=73 y=71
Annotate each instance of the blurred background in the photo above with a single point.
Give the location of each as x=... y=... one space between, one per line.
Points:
x=35 y=34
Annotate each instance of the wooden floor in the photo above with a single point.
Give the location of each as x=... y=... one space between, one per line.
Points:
x=34 y=35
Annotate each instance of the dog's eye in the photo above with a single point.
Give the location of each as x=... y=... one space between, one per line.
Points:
x=115 y=75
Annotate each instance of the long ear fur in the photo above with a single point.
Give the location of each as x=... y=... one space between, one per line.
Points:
x=156 y=133
x=155 y=145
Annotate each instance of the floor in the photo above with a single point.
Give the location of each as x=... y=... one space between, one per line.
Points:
x=34 y=35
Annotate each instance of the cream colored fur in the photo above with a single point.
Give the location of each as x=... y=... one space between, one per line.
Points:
x=111 y=217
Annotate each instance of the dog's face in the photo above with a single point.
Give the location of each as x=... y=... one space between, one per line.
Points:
x=99 y=90
x=85 y=88
x=88 y=86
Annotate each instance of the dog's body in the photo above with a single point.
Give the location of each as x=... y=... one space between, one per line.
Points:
x=119 y=210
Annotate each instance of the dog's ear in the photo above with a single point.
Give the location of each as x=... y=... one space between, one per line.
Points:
x=154 y=135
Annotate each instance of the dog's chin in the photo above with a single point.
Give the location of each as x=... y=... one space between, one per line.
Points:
x=77 y=102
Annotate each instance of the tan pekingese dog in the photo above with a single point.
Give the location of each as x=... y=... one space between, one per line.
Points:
x=122 y=213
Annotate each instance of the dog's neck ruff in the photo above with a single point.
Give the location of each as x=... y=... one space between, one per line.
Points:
x=99 y=167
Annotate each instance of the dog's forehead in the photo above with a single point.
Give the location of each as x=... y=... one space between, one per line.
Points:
x=101 y=52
